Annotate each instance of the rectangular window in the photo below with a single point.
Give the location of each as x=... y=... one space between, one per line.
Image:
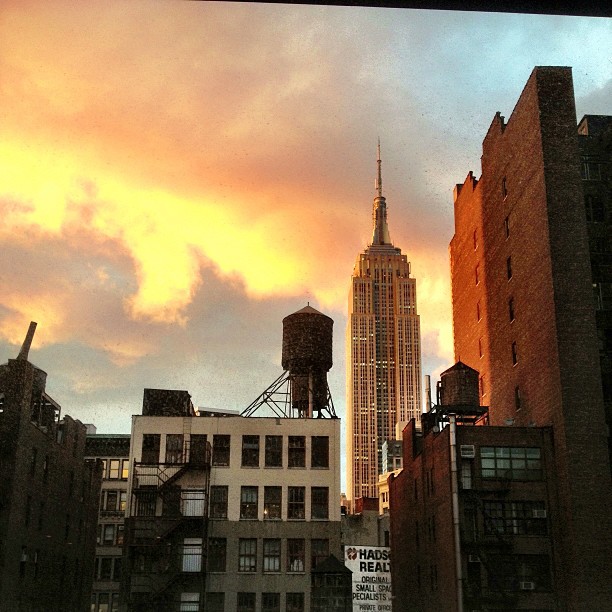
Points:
x=509 y=267
x=295 y=602
x=504 y=188
x=507 y=226
x=217 y=550
x=113 y=471
x=519 y=572
x=477 y=274
x=190 y=602
x=319 y=502
x=247 y=555
x=320 y=452
x=218 y=502
x=271 y=555
x=246 y=602
x=274 y=451
x=480 y=353
x=270 y=602
x=511 y=309
x=297 y=451
x=215 y=602
x=103 y=602
x=198 y=448
x=150 y=448
x=192 y=555
x=514 y=354
x=517 y=398
x=296 y=503
x=174 y=448
x=108 y=535
x=319 y=551
x=221 y=450
x=193 y=502
x=514 y=463
x=105 y=568
x=146 y=502
x=248 y=503
x=478 y=314
x=272 y=503
x=125 y=469
x=111 y=500
x=120 y=534
x=250 y=451
x=296 y=556
x=515 y=518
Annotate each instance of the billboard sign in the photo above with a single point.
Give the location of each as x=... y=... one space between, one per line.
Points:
x=371 y=567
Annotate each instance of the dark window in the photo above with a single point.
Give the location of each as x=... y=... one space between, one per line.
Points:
x=507 y=226
x=247 y=555
x=295 y=507
x=320 y=452
x=146 y=502
x=509 y=267
x=295 y=602
x=295 y=555
x=218 y=502
x=174 y=448
x=481 y=386
x=517 y=398
x=246 y=602
x=250 y=451
x=504 y=188
x=514 y=518
x=272 y=502
x=519 y=572
x=111 y=500
x=590 y=171
x=270 y=602
x=106 y=568
x=515 y=463
x=319 y=503
x=150 y=448
x=319 y=551
x=274 y=451
x=478 y=314
x=514 y=354
x=480 y=353
x=511 y=309
x=215 y=602
x=477 y=274
x=297 y=451
x=221 y=450
x=271 y=555
x=120 y=533
x=248 y=502
x=217 y=554
x=198 y=449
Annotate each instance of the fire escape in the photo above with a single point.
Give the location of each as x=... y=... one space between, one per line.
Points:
x=166 y=532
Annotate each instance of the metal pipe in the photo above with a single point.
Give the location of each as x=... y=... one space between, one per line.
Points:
x=455 y=508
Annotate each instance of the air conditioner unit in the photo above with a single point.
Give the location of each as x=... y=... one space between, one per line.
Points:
x=527 y=586
x=473 y=559
x=538 y=513
x=467 y=451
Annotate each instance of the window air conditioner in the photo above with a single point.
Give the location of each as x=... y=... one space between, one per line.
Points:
x=467 y=451
x=539 y=513
x=527 y=586
x=473 y=559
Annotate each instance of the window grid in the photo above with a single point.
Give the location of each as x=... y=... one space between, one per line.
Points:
x=515 y=463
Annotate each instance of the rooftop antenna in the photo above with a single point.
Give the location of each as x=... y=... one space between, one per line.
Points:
x=27 y=343
x=378 y=181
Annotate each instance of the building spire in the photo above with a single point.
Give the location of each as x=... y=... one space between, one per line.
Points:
x=380 y=235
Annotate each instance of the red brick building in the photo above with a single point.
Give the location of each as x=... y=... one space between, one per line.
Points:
x=523 y=308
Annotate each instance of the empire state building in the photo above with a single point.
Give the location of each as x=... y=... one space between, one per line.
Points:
x=383 y=352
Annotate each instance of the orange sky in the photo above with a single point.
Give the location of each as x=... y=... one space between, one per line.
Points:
x=177 y=177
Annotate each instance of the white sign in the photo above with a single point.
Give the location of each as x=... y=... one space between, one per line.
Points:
x=371 y=567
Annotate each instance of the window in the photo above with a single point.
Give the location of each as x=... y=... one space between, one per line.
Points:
x=272 y=502
x=595 y=209
x=108 y=535
x=296 y=557
x=174 y=448
x=515 y=463
x=519 y=572
x=120 y=534
x=511 y=309
x=517 y=398
x=274 y=451
x=590 y=171
x=113 y=470
x=480 y=353
x=478 y=314
x=215 y=602
x=270 y=602
x=295 y=602
x=150 y=448
x=105 y=568
x=481 y=386
x=111 y=500
x=192 y=555
x=319 y=551
x=477 y=274
x=190 y=602
x=509 y=267
x=297 y=451
x=125 y=469
x=514 y=518
x=514 y=354
x=217 y=548
x=320 y=452
x=198 y=449
x=248 y=502
x=319 y=503
x=295 y=507
x=218 y=502
x=193 y=502
x=504 y=188
x=247 y=555
x=146 y=502
x=246 y=602
x=272 y=554
x=250 y=451
x=507 y=226
x=221 y=450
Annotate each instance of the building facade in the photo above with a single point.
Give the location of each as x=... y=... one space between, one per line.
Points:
x=230 y=511
x=383 y=353
x=523 y=308
x=48 y=497
x=113 y=450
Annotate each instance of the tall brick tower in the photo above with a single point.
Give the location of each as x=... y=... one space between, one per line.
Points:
x=524 y=314
x=383 y=352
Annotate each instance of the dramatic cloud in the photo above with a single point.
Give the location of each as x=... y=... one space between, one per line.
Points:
x=175 y=178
